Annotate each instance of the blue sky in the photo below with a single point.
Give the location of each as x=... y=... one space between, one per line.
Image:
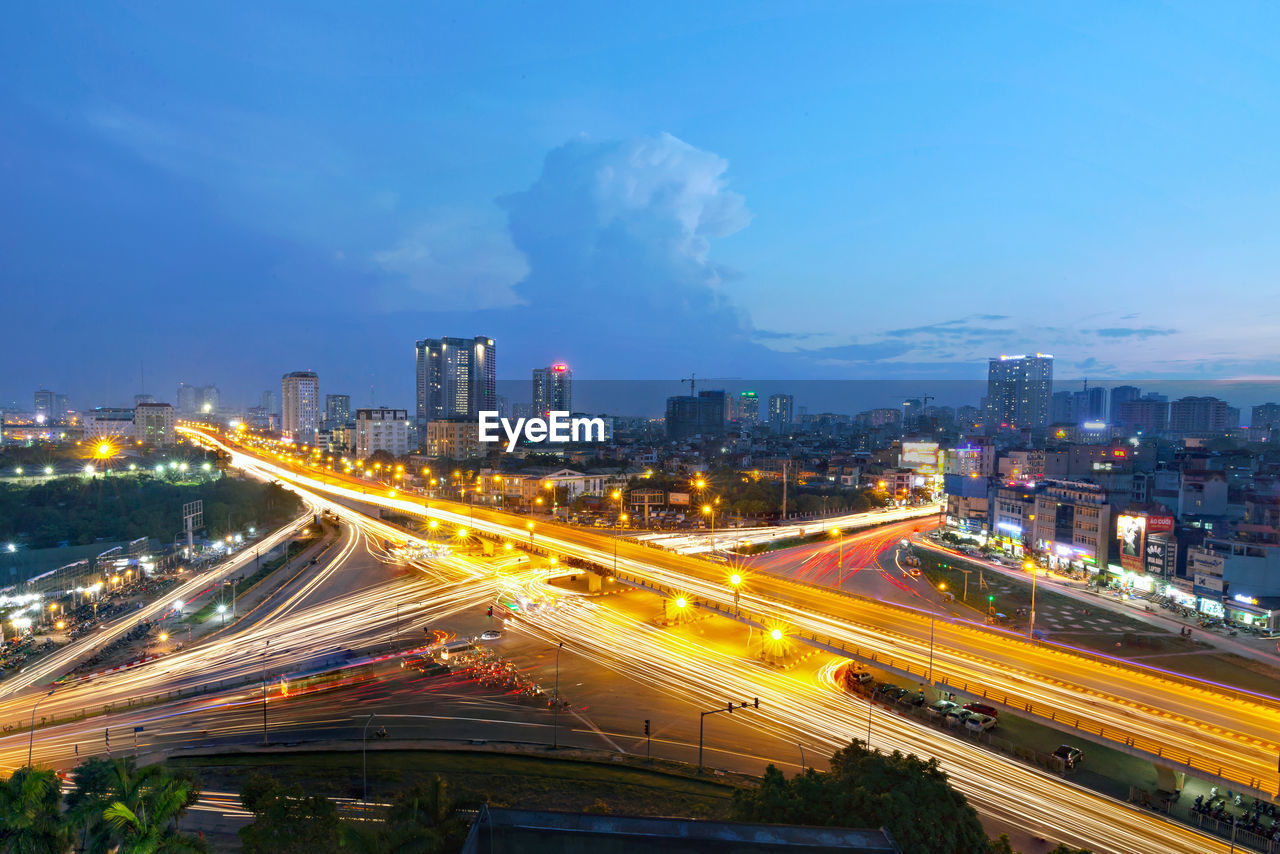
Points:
x=845 y=190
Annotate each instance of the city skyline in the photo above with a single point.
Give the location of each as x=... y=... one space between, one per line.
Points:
x=1086 y=188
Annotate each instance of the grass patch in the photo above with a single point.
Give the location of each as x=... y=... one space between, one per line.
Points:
x=504 y=779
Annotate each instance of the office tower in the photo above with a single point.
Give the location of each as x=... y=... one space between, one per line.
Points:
x=187 y=402
x=1121 y=395
x=781 y=410
x=300 y=410
x=204 y=399
x=45 y=403
x=456 y=378
x=61 y=406
x=269 y=403
x=552 y=389
x=153 y=423
x=337 y=410
x=1018 y=389
x=748 y=407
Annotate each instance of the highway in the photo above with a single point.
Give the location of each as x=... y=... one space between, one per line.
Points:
x=324 y=610
x=1231 y=737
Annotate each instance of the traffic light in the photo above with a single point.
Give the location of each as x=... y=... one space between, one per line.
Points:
x=989 y=599
x=646 y=726
x=490 y=610
x=757 y=702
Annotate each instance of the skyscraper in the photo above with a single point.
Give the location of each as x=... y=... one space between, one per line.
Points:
x=781 y=410
x=456 y=378
x=703 y=414
x=1018 y=391
x=300 y=409
x=1121 y=395
x=337 y=409
x=748 y=407
x=552 y=389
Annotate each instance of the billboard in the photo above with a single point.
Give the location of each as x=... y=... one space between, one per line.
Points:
x=1132 y=531
x=1160 y=556
x=922 y=456
x=1159 y=524
x=678 y=498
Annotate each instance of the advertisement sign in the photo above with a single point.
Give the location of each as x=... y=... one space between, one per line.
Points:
x=921 y=456
x=678 y=498
x=1132 y=533
x=1159 y=524
x=1156 y=556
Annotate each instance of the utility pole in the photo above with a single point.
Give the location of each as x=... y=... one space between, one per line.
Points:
x=555 y=738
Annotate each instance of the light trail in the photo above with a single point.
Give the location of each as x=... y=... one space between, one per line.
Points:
x=1196 y=726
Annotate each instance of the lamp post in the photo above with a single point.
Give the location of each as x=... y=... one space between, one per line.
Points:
x=364 y=759
x=1031 y=624
x=31 y=739
x=736 y=581
x=529 y=525
x=264 y=692
x=839 y=535
x=708 y=510
x=555 y=737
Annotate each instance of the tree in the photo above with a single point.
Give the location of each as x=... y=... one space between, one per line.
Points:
x=909 y=796
x=116 y=806
x=30 y=818
x=287 y=820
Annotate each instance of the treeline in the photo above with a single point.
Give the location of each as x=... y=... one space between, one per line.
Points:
x=79 y=511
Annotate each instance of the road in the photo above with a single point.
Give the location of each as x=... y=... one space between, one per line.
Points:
x=1226 y=736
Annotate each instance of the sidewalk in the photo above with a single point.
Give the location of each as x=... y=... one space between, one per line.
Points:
x=1132 y=608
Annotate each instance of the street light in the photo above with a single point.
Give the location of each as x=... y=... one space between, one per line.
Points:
x=1031 y=625
x=555 y=738
x=31 y=739
x=839 y=535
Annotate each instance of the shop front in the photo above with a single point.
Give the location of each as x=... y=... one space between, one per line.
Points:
x=1261 y=614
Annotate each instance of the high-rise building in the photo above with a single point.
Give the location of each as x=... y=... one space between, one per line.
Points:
x=456 y=378
x=269 y=402
x=382 y=430
x=153 y=423
x=1062 y=407
x=748 y=407
x=1090 y=405
x=552 y=389
x=337 y=410
x=703 y=414
x=198 y=400
x=300 y=410
x=139 y=399
x=1198 y=415
x=1265 y=416
x=1121 y=395
x=45 y=403
x=781 y=410
x=1146 y=415
x=1018 y=390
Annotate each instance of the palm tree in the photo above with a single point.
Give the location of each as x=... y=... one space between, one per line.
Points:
x=118 y=807
x=30 y=815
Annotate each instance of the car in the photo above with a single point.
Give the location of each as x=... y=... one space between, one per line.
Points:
x=862 y=677
x=980 y=722
x=915 y=698
x=941 y=707
x=889 y=692
x=982 y=709
x=490 y=635
x=1070 y=756
x=958 y=715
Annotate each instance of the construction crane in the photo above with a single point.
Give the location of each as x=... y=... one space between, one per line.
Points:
x=690 y=380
